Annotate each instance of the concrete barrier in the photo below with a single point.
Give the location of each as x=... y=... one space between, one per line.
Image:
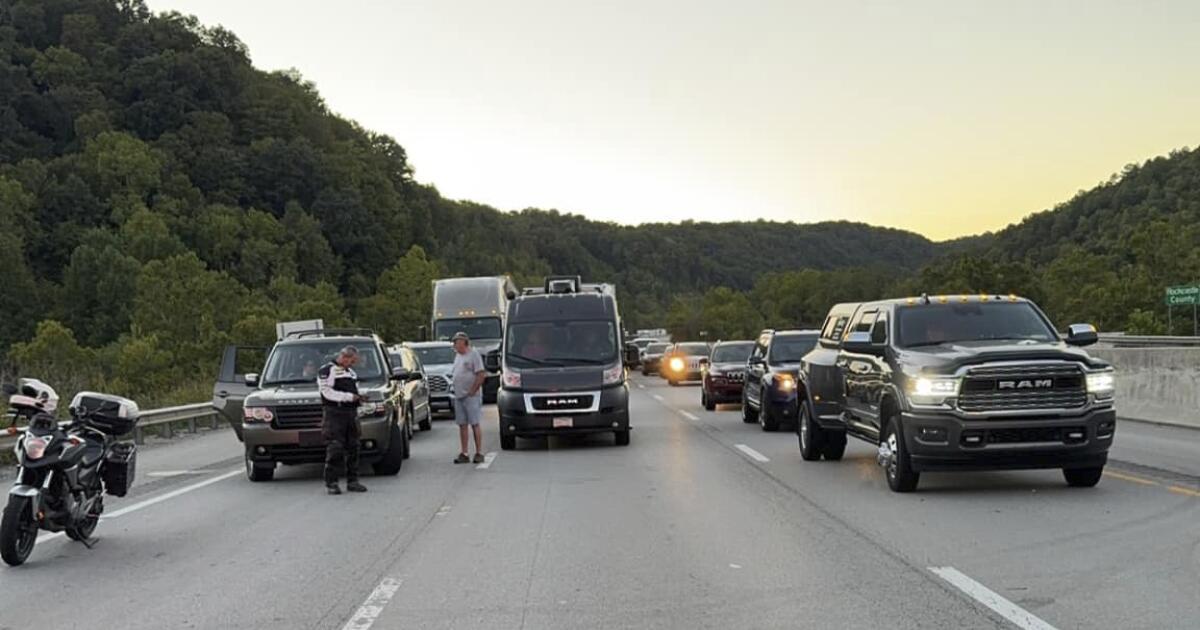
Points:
x=1156 y=384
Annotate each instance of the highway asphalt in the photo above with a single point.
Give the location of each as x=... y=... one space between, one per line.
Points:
x=703 y=521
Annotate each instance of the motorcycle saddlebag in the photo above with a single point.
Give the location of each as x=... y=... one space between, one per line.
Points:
x=112 y=415
x=119 y=468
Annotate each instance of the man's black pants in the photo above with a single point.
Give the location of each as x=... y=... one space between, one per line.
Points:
x=341 y=431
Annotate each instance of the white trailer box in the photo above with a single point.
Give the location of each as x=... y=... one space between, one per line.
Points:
x=283 y=329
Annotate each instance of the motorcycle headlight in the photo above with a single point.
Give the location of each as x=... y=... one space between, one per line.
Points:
x=1101 y=384
x=933 y=390
x=35 y=447
x=614 y=374
x=677 y=364
x=251 y=415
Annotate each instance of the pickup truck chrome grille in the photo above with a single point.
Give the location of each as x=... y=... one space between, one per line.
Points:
x=438 y=384
x=298 y=417
x=1038 y=387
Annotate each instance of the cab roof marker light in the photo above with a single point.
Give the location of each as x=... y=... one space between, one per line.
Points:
x=963 y=299
x=943 y=299
x=912 y=301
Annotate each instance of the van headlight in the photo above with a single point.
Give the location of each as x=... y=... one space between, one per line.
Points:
x=1101 y=384
x=934 y=390
x=614 y=374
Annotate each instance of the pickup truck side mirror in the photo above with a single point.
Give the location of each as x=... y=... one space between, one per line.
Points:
x=400 y=374
x=251 y=380
x=492 y=361
x=415 y=376
x=860 y=343
x=1082 y=335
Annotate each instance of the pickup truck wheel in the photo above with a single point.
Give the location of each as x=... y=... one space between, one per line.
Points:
x=897 y=466
x=1083 y=477
x=749 y=416
x=623 y=438
x=812 y=438
x=427 y=423
x=258 y=472
x=393 y=459
x=407 y=441
x=508 y=442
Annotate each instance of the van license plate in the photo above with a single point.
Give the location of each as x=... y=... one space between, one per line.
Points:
x=564 y=423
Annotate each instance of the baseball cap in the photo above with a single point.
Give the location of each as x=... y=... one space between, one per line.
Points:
x=460 y=335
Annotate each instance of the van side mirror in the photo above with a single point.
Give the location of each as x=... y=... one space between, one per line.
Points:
x=251 y=380
x=491 y=361
x=860 y=343
x=1082 y=335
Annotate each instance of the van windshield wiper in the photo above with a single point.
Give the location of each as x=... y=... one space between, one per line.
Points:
x=522 y=357
x=583 y=360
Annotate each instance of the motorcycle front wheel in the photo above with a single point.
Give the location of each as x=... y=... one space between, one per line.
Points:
x=18 y=530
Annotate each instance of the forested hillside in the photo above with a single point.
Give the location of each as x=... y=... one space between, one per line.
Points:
x=160 y=197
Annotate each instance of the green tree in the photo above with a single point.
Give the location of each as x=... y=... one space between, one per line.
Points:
x=404 y=298
x=54 y=356
x=99 y=286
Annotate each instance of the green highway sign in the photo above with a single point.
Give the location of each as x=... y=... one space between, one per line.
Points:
x=1183 y=295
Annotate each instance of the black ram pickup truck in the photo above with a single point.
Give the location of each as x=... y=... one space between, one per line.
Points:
x=957 y=383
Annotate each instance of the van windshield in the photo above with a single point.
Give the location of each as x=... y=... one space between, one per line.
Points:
x=298 y=362
x=475 y=327
x=579 y=342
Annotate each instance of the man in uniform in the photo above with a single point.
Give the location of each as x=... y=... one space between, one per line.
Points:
x=339 y=396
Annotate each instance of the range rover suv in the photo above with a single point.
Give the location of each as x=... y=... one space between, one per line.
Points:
x=769 y=396
x=957 y=383
x=278 y=415
x=561 y=365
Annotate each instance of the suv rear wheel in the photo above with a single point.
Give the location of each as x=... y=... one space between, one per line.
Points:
x=427 y=423
x=749 y=415
x=1083 y=477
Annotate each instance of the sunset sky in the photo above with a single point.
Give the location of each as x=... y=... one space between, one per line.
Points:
x=945 y=118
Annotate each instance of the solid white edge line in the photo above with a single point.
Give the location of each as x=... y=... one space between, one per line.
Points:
x=1018 y=616
x=752 y=454
x=370 y=610
x=487 y=461
x=170 y=495
x=689 y=416
x=46 y=537
x=658 y=397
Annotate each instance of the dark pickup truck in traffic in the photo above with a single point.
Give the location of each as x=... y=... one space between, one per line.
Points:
x=957 y=383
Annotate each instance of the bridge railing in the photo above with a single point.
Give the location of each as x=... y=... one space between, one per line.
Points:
x=165 y=421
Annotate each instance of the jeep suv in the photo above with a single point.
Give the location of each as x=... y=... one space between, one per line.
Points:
x=769 y=395
x=684 y=361
x=724 y=373
x=957 y=383
x=278 y=414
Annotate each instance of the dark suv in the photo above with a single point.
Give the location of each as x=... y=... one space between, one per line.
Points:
x=278 y=415
x=725 y=373
x=769 y=396
x=957 y=383
x=652 y=357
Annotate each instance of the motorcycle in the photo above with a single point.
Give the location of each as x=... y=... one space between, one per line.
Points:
x=65 y=469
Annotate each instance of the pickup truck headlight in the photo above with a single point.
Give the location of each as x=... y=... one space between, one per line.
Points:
x=933 y=390
x=614 y=374
x=1101 y=384
x=785 y=382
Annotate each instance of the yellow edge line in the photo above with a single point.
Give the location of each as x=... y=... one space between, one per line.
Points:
x=1123 y=477
x=1184 y=491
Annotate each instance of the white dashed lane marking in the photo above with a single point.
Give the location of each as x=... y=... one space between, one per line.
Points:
x=752 y=454
x=689 y=416
x=487 y=461
x=370 y=610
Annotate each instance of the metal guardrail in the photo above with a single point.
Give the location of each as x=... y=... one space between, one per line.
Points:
x=1118 y=340
x=163 y=420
